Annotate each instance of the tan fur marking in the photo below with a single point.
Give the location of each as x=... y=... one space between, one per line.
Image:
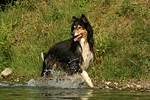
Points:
x=80 y=31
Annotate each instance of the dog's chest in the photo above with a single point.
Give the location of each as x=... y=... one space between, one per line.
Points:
x=86 y=54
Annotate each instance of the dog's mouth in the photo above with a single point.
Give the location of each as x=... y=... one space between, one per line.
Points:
x=77 y=37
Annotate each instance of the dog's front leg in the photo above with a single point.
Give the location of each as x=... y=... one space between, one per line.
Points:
x=86 y=77
x=75 y=68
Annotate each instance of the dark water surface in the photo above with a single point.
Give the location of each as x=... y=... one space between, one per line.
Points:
x=22 y=92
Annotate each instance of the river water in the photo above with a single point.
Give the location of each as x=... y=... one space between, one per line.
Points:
x=24 y=92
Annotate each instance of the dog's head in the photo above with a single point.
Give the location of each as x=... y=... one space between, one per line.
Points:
x=81 y=29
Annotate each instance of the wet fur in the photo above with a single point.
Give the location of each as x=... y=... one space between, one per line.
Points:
x=72 y=55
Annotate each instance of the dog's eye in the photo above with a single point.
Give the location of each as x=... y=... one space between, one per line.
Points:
x=79 y=27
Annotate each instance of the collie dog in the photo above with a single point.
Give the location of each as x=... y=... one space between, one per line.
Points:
x=73 y=55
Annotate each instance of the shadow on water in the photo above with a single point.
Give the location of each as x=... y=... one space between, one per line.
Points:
x=15 y=91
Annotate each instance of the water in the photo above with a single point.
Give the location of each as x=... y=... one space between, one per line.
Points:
x=23 y=92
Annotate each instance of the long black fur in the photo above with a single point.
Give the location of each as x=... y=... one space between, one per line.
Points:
x=66 y=55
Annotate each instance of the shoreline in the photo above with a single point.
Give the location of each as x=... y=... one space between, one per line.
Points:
x=131 y=85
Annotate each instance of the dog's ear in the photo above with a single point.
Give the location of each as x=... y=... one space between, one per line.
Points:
x=74 y=18
x=84 y=19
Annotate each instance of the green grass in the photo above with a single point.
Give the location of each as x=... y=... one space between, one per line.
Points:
x=121 y=33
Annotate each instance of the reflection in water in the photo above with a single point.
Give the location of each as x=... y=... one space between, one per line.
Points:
x=80 y=94
x=14 y=91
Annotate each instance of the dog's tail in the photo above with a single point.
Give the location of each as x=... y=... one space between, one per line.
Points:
x=43 y=55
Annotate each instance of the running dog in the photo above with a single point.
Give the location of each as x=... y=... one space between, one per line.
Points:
x=73 y=55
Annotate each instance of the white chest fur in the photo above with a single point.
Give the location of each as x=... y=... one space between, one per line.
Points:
x=86 y=54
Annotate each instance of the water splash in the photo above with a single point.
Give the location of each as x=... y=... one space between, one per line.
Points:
x=69 y=82
x=58 y=79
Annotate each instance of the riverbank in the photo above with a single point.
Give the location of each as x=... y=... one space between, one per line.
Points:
x=132 y=85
